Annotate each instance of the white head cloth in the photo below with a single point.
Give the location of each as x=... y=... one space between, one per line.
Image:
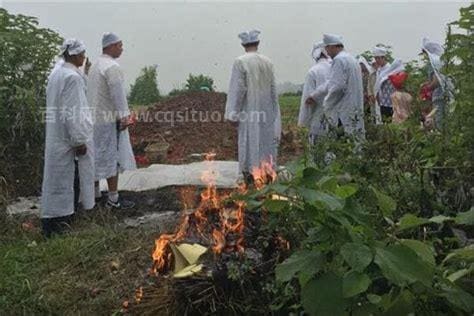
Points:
x=364 y=61
x=396 y=67
x=434 y=51
x=109 y=39
x=432 y=47
x=73 y=47
x=332 y=39
x=318 y=49
x=249 y=37
x=379 y=51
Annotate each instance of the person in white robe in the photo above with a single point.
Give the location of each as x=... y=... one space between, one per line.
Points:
x=343 y=105
x=68 y=137
x=440 y=85
x=311 y=116
x=107 y=97
x=252 y=102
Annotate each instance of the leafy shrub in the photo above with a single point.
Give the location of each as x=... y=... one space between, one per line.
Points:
x=145 y=89
x=199 y=83
x=385 y=227
x=26 y=54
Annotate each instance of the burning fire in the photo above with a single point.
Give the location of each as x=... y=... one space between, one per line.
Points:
x=264 y=174
x=214 y=223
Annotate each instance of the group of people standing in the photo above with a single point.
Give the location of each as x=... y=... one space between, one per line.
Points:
x=338 y=94
x=336 y=91
x=381 y=83
x=87 y=140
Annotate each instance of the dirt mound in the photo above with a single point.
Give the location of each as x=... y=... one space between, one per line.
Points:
x=192 y=123
x=189 y=124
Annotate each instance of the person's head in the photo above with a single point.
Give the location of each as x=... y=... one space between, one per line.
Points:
x=429 y=47
x=77 y=59
x=333 y=43
x=112 y=45
x=251 y=47
x=380 y=55
x=380 y=61
x=74 y=52
x=398 y=80
x=250 y=40
x=333 y=50
x=113 y=50
x=319 y=52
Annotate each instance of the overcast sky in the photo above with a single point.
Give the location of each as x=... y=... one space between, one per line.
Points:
x=185 y=37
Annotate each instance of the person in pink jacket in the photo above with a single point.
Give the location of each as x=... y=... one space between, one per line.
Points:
x=401 y=100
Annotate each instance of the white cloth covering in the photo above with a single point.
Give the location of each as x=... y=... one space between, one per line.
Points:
x=312 y=116
x=73 y=47
x=332 y=39
x=379 y=51
x=253 y=102
x=435 y=51
x=109 y=39
x=249 y=37
x=384 y=72
x=318 y=50
x=107 y=97
x=68 y=125
x=344 y=101
x=364 y=62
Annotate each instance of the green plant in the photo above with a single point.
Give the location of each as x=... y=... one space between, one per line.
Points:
x=199 y=83
x=145 y=89
x=352 y=254
x=26 y=55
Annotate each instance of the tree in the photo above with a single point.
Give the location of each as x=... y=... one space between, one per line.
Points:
x=26 y=55
x=199 y=83
x=145 y=89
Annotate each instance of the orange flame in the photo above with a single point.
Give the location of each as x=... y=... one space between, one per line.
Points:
x=162 y=254
x=231 y=221
x=264 y=174
x=219 y=241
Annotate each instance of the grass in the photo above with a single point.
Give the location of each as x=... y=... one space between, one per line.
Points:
x=289 y=107
x=91 y=270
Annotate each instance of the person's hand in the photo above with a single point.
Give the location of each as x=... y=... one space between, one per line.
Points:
x=125 y=122
x=80 y=150
x=310 y=101
x=371 y=99
x=87 y=66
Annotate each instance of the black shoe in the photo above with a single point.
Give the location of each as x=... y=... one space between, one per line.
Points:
x=102 y=198
x=56 y=225
x=121 y=204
